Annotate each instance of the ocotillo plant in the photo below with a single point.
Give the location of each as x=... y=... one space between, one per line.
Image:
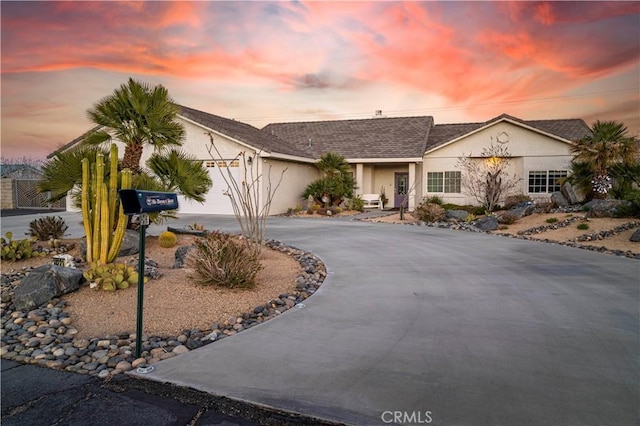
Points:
x=99 y=208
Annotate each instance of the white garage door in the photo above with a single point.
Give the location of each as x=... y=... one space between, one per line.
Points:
x=216 y=202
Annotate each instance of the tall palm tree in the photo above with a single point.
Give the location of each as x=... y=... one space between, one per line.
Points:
x=137 y=115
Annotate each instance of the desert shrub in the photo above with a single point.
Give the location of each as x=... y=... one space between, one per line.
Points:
x=514 y=200
x=429 y=212
x=338 y=210
x=223 y=260
x=470 y=217
x=435 y=199
x=167 y=239
x=356 y=203
x=502 y=227
x=552 y=220
x=11 y=249
x=583 y=226
x=47 y=227
x=632 y=209
x=508 y=218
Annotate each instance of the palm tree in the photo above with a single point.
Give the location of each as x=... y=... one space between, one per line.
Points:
x=337 y=182
x=608 y=151
x=137 y=114
x=64 y=171
x=180 y=172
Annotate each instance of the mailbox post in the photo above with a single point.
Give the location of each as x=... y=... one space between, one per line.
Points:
x=136 y=202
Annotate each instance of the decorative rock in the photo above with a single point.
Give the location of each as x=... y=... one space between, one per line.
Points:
x=635 y=237
x=138 y=362
x=605 y=208
x=181 y=255
x=487 y=223
x=558 y=199
x=181 y=349
x=45 y=283
x=523 y=209
x=572 y=193
x=123 y=366
x=130 y=243
x=456 y=215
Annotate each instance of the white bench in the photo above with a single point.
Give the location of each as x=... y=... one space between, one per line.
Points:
x=371 y=200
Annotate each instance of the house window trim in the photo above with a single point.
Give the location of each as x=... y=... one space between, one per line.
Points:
x=447 y=180
x=549 y=187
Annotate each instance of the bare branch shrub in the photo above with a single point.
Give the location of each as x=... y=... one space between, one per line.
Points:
x=486 y=177
x=429 y=212
x=249 y=208
x=222 y=260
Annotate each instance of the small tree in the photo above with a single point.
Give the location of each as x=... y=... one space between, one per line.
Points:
x=250 y=208
x=336 y=184
x=486 y=177
x=606 y=160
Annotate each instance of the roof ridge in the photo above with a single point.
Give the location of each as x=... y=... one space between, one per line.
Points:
x=351 y=119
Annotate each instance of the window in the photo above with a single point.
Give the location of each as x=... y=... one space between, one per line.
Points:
x=222 y=163
x=545 y=181
x=447 y=182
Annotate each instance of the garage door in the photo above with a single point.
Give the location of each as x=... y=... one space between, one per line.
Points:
x=216 y=202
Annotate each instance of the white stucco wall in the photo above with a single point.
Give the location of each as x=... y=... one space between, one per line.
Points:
x=295 y=179
x=530 y=151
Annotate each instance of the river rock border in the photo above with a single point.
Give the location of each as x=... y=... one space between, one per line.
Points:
x=46 y=336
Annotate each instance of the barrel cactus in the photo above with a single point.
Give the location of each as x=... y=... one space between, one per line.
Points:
x=167 y=239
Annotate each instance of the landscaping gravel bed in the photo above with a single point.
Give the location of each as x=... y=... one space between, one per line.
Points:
x=46 y=336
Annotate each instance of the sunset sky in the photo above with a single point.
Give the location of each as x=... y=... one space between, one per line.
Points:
x=262 y=62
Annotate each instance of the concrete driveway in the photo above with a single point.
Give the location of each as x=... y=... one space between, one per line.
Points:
x=417 y=325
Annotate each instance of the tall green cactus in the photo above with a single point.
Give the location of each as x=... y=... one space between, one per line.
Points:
x=99 y=208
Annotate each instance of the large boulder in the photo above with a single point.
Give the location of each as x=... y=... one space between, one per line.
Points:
x=558 y=199
x=45 y=283
x=487 y=223
x=130 y=243
x=572 y=194
x=456 y=215
x=635 y=237
x=521 y=210
x=605 y=208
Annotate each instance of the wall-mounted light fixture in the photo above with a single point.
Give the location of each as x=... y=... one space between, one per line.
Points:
x=249 y=160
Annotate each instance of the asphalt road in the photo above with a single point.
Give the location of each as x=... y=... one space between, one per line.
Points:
x=417 y=325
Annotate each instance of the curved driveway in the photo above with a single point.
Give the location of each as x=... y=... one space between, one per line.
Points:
x=416 y=324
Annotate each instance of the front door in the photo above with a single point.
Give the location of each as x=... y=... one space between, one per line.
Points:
x=400 y=190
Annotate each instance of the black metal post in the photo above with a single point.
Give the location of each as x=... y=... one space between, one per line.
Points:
x=144 y=221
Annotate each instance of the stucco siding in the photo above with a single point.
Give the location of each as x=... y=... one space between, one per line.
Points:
x=296 y=178
x=530 y=151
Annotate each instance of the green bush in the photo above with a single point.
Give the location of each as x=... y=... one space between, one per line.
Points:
x=429 y=212
x=633 y=209
x=356 y=203
x=17 y=249
x=225 y=261
x=552 y=220
x=435 y=199
x=583 y=226
x=47 y=227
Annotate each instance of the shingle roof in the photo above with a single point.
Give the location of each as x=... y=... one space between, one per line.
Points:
x=569 y=129
x=404 y=137
x=242 y=132
x=73 y=142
